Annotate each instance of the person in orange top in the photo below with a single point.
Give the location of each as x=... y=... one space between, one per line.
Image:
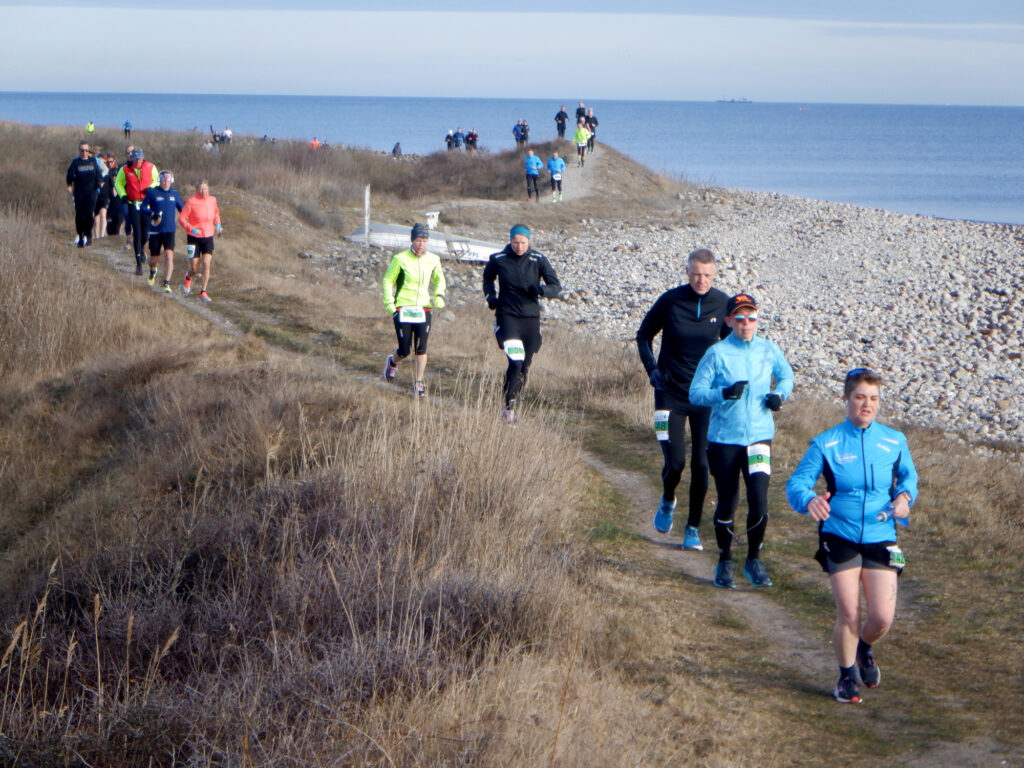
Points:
x=201 y=220
x=315 y=143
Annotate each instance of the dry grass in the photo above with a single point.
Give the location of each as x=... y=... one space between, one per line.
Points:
x=265 y=558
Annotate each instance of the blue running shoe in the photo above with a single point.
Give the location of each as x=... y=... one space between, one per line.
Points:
x=755 y=571
x=723 y=575
x=663 y=518
x=869 y=672
x=846 y=691
x=691 y=539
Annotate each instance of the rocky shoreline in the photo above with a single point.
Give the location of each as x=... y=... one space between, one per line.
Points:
x=932 y=304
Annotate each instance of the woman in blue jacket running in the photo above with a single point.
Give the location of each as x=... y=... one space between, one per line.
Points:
x=870 y=484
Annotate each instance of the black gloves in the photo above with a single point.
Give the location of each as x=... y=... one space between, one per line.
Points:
x=734 y=391
x=534 y=292
x=657 y=380
x=772 y=401
x=492 y=303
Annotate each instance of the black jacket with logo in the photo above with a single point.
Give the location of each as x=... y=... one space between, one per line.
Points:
x=515 y=276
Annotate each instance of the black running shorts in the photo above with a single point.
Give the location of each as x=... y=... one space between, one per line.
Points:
x=838 y=554
x=160 y=242
x=202 y=244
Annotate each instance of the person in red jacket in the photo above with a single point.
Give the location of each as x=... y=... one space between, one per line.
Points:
x=131 y=183
x=201 y=220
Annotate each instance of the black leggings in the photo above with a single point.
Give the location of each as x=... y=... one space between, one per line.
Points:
x=140 y=230
x=410 y=333
x=531 y=181
x=556 y=184
x=674 y=451
x=84 y=208
x=728 y=463
x=527 y=330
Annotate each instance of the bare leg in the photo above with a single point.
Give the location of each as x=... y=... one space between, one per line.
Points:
x=846 y=591
x=420 y=362
x=207 y=259
x=880 y=595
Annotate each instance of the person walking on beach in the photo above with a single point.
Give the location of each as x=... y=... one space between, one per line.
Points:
x=200 y=218
x=591 y=122
x=556 y=168
x=84 y=179
x=162 y=204
x=449 y=140
x=396 y=150
x=517 y=133
x=532 y=164
x=411 y=279
x=524 y=133
x=458 y=138
x=472 y=139
x=870 y=485
x=734 y=379
x=131 y=183
x=581 y=137
x=523 y=276
x=561 y=120
x=90 y=128
x=127 y=130
x=581 y=112
x=690 y=318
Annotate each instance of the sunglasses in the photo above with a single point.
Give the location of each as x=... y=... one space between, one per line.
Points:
x=752 y=317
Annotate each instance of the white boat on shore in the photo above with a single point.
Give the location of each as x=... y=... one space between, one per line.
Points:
x=394 y=237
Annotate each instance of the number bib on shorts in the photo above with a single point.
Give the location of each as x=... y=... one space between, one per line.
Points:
x=759 y=458
x=661 y=425
x=411 y=315
x=896 y=557
x=556 y=176
x=515 y=350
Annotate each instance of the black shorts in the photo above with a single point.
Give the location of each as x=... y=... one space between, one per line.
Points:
x=838 y=554
x=160 y=242
x=202 y=244
x=412 y=337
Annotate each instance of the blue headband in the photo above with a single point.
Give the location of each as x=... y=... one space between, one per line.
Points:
x=519 y=229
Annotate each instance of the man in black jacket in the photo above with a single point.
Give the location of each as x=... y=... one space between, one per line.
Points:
x=519 y=271
x=690 y=319
x=84 y=179
x=560 y=121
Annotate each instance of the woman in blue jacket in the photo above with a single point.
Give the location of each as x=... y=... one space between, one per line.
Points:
x=870 y=484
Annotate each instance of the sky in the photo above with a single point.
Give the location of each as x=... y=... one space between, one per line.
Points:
x=871 y=51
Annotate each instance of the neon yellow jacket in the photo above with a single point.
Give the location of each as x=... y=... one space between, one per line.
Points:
x=582 y=136
x=410 y=276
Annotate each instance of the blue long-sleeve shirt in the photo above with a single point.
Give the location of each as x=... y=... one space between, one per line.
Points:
x=747 y=420
x=533 y=165
x=865 y=469
x=167 y=204
x=556 y=165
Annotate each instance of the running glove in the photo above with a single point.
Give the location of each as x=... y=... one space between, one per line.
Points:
x=734 y=391
x=492 y=303
x=773 y=401
x=439 y=302
x=657 y=380
x=534 y=292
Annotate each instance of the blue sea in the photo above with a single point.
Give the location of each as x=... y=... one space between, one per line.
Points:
x=947 y=161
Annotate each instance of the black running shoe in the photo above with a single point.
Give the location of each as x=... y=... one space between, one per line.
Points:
x=846 y=691
x=869 y=672
x=723 y=575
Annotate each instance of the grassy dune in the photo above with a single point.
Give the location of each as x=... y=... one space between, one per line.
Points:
x=242 y=550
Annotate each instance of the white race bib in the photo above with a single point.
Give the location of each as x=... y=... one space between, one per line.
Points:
x=661 y=425
x=759 y=458
x=515 y=350
x=556 y=176
x=411 y=315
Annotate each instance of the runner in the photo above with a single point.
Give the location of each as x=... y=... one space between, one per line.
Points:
x=561 y=119
x=90 y=128
x=690 y=318
x=200 y=218
x=871 y=484
x=131 y=183
x=519 y=271
x=734 y=378
x=581 y=137
x=99 y=212
x=127 y=130
x=581 y=112
x=472 y=139
x=163 y=205
x=591 y=123
x=556 y=167
x=84 y=179
x=532 y=165
x=411 y=273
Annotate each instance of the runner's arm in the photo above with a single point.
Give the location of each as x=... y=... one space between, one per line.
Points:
x=783 y=373
x=439 y=285
x=701 y=390
x=800 y=486
x=650 y=327
x=552 y=286
x=388 y=283
x=490 y=291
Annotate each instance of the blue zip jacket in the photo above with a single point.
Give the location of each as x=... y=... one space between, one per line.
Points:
x=864 y=469
x=747 y=420
x=556 y=165
x=533 y=165
x=167 y=204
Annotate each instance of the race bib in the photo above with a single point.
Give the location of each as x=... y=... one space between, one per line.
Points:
x=896 y=557
x=411 y=315
x=191 y=251
x=759 y=458
x=661 y=425
x=515 y=350
x=556 y=176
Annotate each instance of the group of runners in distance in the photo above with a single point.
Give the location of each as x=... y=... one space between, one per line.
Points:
x=715 y=375
x=141 y=196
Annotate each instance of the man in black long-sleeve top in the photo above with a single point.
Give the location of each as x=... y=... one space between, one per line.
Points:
x=519 y=271
x=84 y=179
x=690 y=319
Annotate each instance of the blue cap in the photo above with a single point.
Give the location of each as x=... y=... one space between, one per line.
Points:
x=418 y=230
x=137 y=154
x=519 y=229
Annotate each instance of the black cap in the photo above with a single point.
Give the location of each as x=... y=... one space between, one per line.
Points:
x=739 y=301
x=418 y=230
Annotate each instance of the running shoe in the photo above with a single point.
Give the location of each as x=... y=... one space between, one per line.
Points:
x=691 y=539
x=390 y=369
x=723 y=575
x=167 y=286
x=152 y=277
x=187 y=287
x=138 y=267
x=559 y=197
x=756 y=572
x=419 y=390
x=846 y=691
x=204 y=297
x=508 y=416
x=663 y=517
x=870 y=674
